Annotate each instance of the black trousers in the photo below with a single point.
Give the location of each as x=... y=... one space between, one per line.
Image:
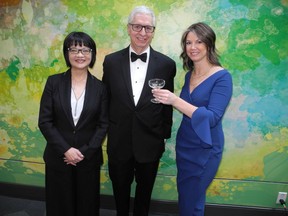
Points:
x=122 y=174
x=74 y=191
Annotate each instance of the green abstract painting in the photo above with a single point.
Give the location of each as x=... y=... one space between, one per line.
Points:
x=251 y=39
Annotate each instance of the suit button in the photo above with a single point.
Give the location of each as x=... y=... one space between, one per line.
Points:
x=74 y=132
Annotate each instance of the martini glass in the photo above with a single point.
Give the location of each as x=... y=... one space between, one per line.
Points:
x=156 y=83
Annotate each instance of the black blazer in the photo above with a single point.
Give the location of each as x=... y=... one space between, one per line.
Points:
x=137 y=131
x=57 y=126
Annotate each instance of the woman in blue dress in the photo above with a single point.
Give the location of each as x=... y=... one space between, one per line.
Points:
x=203 y=101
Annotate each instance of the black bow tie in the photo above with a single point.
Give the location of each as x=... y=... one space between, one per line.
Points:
x=134 y=57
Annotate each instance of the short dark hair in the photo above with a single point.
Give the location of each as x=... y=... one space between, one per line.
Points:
x=81 y=39
x=208 y=37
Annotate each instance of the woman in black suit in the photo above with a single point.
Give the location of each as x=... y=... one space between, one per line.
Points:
x=73 y=118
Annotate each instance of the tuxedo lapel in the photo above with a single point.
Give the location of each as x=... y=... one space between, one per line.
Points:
x=126 y=73
x=149 y=75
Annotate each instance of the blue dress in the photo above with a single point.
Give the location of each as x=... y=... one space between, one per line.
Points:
x=200 y=140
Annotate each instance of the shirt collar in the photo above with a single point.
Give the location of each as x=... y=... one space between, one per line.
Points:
x=147 y=51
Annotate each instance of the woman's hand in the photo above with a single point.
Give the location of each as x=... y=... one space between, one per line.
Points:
x=73 y=156
x=164 y=96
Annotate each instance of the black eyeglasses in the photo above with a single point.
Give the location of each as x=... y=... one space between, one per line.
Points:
x=138 y=28
x=75 y=51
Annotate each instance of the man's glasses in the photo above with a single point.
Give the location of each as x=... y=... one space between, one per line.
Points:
x=75 y=51
x=138 y=28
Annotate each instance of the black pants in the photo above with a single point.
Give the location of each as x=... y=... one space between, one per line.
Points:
x=122 y=174
x=74 y=191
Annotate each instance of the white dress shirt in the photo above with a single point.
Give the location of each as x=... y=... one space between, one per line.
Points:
x=138 y=70
x=77 y=105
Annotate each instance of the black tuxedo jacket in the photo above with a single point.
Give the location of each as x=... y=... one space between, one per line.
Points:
x=57 y=126
x=137 y=131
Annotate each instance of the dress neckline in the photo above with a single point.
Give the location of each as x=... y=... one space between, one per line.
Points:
x=203 y=81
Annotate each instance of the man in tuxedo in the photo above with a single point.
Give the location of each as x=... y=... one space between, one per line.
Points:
x=137 y=127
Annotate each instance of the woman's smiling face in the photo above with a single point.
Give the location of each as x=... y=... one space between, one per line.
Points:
x=79 y=56
x=195 y=48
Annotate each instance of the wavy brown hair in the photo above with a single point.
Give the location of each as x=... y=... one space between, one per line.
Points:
x=206 y=34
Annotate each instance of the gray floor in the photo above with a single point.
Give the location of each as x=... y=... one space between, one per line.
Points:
x=22 y=207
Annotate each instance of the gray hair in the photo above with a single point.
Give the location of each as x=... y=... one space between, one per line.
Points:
x=142 y=10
